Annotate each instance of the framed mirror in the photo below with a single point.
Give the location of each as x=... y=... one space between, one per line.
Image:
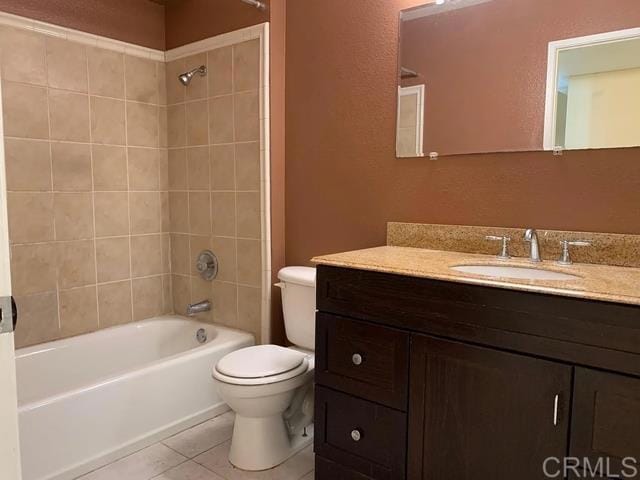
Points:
x=482 y=76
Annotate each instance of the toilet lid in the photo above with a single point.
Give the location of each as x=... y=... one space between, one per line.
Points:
x=260 y=361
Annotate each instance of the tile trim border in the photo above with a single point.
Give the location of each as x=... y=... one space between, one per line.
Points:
x=16 y=21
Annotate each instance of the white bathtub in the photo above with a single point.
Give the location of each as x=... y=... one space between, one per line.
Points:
x=87 y=400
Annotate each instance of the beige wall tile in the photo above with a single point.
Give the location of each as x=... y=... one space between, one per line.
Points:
x=224 y=303
x=198 y=168
x=249 y=308
x=146 y=255
x=73 y=216
x=106 y=72
x=76 y=263
x=67 y=65
x=201 y=290
x=69 y=116
x=223 y=214
x=30 y=217
x=71 y=167
x=179 y=212
x=144 y=169
x=162 y=83
x=142 y=125
x=197 y=123
x=163 y=165
x=25 y=111
x=141 y=79
x=167 y=295
x=165 y=220
x=114 y=304
x=109 y=167
x=180 y=261
x=33 y=268
x=176 y=126
x=78 y=311
x=28 y=165
x=112 y=213
x=246 y=65
x=147 y=297
x=23 y=56
x=178 y=169
x=221 y=123
x=107 y=121
x=247 y=116
x=223 y=167
x=220 y=71
x=38 y=319
x=166 y=253
x=248 y=166
x=248 y=214
x=144 y=209
x=112 y=258
x=198 y=87
x=225 y=249
x=163 y=140
x=200 y=213
x=181 y=291
x=175 y=90
x=249 y=262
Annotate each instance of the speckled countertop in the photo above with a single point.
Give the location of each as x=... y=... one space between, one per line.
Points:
x=596 y=282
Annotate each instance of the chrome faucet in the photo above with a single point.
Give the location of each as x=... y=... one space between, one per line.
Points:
x=200 y=307
x=531 y=236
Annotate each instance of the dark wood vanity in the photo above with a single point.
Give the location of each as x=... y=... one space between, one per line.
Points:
x=428 y=379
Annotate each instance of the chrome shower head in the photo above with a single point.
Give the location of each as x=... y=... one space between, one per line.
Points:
x=185 y=78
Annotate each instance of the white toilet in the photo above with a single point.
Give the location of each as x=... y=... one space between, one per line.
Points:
x=269 y=387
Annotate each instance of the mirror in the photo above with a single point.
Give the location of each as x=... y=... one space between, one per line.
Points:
x=480 y=76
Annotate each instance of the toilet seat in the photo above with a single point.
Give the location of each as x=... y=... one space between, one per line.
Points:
x=260 y=365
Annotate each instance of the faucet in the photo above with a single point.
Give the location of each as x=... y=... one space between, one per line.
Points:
x=200 y=307
x=531 y=236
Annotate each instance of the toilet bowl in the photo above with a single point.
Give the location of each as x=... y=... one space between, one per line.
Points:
x=269 y=387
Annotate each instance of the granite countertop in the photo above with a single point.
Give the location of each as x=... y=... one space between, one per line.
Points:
x=596 y=282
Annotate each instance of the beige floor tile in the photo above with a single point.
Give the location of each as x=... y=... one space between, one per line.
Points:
x=188 y=471
x=141 y=465
x=202 y=437
x=217 y=460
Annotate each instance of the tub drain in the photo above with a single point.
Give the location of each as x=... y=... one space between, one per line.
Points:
x=201 y=335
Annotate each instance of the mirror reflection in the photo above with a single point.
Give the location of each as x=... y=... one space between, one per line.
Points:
x=478 y=76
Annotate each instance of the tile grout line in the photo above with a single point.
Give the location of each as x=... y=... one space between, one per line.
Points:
x=126 y=141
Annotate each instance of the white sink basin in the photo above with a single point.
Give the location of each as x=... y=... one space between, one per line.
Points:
x=510 y=271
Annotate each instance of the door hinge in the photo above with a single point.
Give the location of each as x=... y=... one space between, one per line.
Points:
x=7 y=315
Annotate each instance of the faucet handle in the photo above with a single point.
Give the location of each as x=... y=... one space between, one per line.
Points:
x=565 y=256
x=504 y=250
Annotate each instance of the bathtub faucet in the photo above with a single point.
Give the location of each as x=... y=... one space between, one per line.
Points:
x=195 y=308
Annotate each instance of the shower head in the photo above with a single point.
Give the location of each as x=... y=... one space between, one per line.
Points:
x=185 y=78
x=256 y=3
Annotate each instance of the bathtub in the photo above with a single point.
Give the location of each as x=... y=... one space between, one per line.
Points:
x=86 y=401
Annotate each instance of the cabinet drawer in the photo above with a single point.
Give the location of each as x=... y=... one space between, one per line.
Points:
x=328 y=470
x=360 y=435
x=362 y=359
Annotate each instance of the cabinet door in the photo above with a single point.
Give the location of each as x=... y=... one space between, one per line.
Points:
x=605 y=427
x=481 y=413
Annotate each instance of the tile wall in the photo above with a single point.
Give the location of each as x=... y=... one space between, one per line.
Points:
x=214 y=182
x=87 y=178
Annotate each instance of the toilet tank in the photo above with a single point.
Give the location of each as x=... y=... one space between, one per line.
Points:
x=298 y=286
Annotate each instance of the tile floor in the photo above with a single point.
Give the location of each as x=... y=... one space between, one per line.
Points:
x=199 y=453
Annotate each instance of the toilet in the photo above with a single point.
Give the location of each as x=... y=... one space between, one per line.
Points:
x=270 y=388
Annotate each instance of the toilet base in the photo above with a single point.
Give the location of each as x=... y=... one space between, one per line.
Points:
x=262 y=443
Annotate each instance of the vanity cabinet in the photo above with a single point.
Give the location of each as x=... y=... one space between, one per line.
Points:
x=425 y=379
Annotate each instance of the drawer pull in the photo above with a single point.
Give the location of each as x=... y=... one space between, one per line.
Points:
x=356 y=358
x=356 y=435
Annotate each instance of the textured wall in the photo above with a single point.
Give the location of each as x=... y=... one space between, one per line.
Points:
x=214 y=183
x=85 y=173
x=344 y=183
x=485 y=67
x=136 y=21
x=191 y=20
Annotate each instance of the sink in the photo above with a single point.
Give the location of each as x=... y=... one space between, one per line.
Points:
x=511 y=271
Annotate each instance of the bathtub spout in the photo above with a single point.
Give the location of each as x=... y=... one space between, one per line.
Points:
x=200 y=307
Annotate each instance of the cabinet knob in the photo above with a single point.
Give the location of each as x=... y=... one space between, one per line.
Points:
x=356 y=358
x=356 y=435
